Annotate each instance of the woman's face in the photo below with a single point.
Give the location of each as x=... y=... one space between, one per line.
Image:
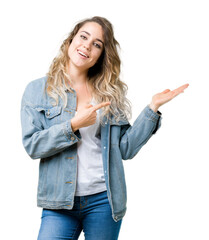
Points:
x=86 y=47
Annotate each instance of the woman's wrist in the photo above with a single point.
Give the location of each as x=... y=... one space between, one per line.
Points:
x=153 y=107
x=73 y=125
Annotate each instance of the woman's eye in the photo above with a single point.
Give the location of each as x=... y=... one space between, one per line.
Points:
x=97 y=45
x=82 y=36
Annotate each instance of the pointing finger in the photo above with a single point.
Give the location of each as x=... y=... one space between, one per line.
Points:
x=100 y=105
x=88 y=105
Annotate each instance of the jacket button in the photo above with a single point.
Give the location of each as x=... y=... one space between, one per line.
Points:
x=72 y=138
x=104 y=147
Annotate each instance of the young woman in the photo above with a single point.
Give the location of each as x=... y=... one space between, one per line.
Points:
x=76 y=121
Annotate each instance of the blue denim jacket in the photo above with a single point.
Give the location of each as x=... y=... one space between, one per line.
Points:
x=47 y=135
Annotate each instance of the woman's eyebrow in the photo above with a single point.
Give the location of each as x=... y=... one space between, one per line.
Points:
x=96 y=38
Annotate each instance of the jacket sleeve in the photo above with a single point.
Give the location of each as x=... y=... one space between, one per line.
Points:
x=134 y=137
x=40 y=142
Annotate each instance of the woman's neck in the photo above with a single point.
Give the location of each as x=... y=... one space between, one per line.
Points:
x=77 y=76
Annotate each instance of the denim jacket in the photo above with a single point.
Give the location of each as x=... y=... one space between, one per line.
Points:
x=47 y=135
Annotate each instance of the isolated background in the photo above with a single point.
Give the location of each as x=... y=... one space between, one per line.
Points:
x=164 y=44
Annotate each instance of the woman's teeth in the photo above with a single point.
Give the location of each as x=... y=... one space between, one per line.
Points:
x=82 y=54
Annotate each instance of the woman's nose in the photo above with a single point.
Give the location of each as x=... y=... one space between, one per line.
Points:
x=87 y=45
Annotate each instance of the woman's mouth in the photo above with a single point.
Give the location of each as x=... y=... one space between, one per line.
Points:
x=83 y=54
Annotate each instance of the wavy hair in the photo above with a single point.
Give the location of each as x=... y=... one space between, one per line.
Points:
x=104 y=76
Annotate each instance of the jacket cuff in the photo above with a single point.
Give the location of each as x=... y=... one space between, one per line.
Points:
x=153 y=116
x=73 y=137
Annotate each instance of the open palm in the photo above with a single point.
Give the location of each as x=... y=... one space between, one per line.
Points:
x=161 y=98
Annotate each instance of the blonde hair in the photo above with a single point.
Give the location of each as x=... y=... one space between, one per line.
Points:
x=103 y=76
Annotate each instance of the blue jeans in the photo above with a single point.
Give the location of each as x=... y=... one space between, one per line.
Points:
x=92 y=214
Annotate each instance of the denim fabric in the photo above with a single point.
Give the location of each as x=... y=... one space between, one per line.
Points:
x=92 y=214
x=47 y=134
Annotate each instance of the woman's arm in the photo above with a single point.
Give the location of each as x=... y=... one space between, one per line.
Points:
x=41 y=143
x=147 y=123
x=134 y=137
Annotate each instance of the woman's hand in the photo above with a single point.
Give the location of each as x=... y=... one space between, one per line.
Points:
x=86 y=116
x=161 y=98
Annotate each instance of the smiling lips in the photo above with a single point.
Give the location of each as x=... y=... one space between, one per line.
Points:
x=83 y=54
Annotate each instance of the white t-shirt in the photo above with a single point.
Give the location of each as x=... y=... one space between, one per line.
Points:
x=90 y=173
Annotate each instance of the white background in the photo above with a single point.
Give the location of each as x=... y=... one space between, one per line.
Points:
x=164 y=45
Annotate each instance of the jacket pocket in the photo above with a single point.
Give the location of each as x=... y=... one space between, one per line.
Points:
x=52 y=115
